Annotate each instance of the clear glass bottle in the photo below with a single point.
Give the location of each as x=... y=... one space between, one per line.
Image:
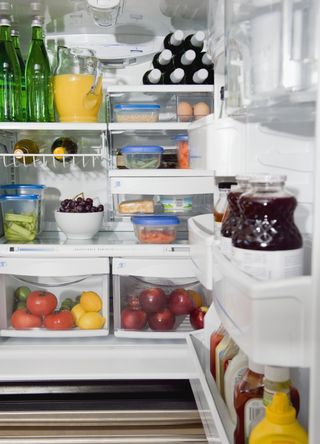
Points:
x=267 y=244
x=221 y=206
x=25 y=146
x=10 y=77
x=16 y=43
x=38 y=78
x=232 y=215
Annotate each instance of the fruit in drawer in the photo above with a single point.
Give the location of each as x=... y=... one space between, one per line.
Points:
x=59 y=320
x=132 y=316
x=21 y=293
x=41 y=302
x=22 y=320
x=90 y=301
x=197 y=317
x=163 y=320
x=180 y=302
x=77 y=311
x=91 y=320
x=196 y=297
x=153 y=300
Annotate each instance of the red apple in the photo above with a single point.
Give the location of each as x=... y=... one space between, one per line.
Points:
x=132 y=316
x=180 y=302
x=197 y=317
x=164 y=320
x=153 y=300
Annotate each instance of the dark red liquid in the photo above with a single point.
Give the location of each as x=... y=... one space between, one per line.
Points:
x=267 y=223
x=231 y=221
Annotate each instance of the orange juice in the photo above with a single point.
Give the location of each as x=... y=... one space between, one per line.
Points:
x=72 y=99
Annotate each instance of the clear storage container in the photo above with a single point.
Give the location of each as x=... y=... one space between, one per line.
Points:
x=183 y=153
x=136 y=112
x=142 y=156
x=21 y=217
x=155 y=229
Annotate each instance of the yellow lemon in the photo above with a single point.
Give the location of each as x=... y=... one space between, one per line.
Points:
x=91 y=320
x=77 y=311
x=90 y=301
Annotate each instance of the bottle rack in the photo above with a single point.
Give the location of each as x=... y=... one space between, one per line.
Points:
x=82 y=160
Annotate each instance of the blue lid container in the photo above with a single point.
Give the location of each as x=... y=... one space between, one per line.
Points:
x=155 y=220
x=181 y=137
x=142 y=149
x=137 y=106
x=20 y=197
x=24 y=189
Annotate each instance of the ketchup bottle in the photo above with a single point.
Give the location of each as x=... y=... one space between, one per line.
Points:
x=248 y=402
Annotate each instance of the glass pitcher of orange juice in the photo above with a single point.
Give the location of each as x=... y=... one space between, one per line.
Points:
x=77 y=84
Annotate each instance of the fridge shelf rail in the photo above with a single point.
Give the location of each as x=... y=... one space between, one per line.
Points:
x=269 y=320
x=85 y=159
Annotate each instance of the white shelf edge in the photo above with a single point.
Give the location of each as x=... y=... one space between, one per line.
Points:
x=146 y=126
x=161 y=173
x=160 y=88
x=47 y=126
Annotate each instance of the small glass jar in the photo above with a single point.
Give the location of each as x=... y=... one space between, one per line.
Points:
x=183 y=152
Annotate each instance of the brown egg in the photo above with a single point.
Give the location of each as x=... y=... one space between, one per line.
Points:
x=185 y=112
x=200 y=109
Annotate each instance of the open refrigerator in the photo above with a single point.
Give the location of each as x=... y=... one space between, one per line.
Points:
x=268 y=124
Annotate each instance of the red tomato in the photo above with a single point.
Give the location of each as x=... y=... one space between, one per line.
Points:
x=41 y=303
x=59 y=320
x=21 y=320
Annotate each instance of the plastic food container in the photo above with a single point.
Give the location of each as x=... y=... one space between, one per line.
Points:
x=136 y=113
x=155 y=229
x=28 y=188
x=142 y=157
x=21 y=217
x=183 y=154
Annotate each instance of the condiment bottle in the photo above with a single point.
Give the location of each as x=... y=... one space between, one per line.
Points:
x=62 y=146
x=279 y=425
x=267 y=244
x=277 y=379
x=221 y=206
x=248 y=401
x=38 y=78
x=215 y=339
x=232 y=377
x=10 y=74
x=225 y=351
x=231 y=220
x=25 y=146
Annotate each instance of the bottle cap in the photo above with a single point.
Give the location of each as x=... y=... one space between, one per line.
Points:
x=177 y=75
x=267 y=178
x=176 y=38
x=37 y=21
x=257 y=368
x=198 y=39
x=154 y=76
x=4 y=21
x=206 y=59
x=225 y=185
x=277 y=374
x=280 y=411
x=188 y=57
x=165 y=57
x=222 y=93
x=15 y=33
x=200 y=76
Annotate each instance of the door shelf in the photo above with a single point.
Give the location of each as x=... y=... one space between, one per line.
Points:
x=269 y=320
x=213 y=411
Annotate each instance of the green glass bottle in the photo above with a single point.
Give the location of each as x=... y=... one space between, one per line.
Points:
x=38 y=78
x=16 y=43
x=10 y=77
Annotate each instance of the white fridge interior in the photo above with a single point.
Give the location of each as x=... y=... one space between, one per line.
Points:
x=268 y=126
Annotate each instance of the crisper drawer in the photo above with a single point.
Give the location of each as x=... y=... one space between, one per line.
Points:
x=65 y=279
x=153 y=298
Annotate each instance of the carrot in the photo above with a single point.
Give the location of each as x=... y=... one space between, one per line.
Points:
x=183 y=155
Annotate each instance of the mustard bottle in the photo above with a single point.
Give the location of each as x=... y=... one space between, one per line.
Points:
x=279 y=425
